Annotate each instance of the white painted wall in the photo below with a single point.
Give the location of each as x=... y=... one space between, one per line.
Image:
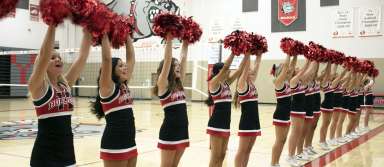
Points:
x=319 y=24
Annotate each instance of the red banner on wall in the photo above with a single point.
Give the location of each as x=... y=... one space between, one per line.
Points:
x=287 y=11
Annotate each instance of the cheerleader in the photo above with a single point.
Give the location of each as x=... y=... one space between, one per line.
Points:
x=315 y=108
x=173 y=135
x=51 y=94
x=298 y=87
x=352 y=113
x=337 y=104
x=281 y=119
x=220 y=98
x=346 y=84
x=326 y=105
x=360 y=109
x=368 y=100
x=114 y=102
x=246 y=95
x=309 y=112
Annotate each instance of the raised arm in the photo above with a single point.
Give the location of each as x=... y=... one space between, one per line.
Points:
x=243 y=80
x=256 y=66
x=36 y=84
x=130 y=57
x=183 y=60
x=326 y=75
x=78 y=66
x=105 y=81
x=292 y=66
x=299 y=75
x=338 y=79
x=279 y=81
x=309 y=72
x=162 y=81
x=214 y=83
x=237 y=73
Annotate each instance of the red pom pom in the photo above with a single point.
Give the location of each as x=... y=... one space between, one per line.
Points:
x=316 y=52
x=292 y=47
x=120 y=29
x=99 y=22
x=258 y=43
x=238 y=42
x=7 y=6
x=192 y=30
x=81 y=10
x=54 y=11
x=351 y=63
x=168 y=23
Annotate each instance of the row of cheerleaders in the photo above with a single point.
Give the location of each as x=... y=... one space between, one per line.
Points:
x=347 y=91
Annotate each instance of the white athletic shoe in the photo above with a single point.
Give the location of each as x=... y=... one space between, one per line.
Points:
x=333 y=142
x=293 y=162
x=276 y=165
x=303 y=157
x=366 y=129
x=353 y=135
x=341 y=140
x=307 y=151
x=348 y=138
x=312 y=150
x=324 y=146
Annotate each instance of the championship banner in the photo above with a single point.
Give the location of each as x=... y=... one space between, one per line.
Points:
x=288 y=15
x=343 y=23
x=288 y=11
x=34 y=12
x=369 y=21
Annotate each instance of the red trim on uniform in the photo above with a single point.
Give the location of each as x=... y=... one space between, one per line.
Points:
x=118 y=156
x=298 y=115
x=317 y=114
x=340 y=151
x=281 y=123
x=309 y=119
x=326 y=110
x=351 y=112
x=338 y=110
x=249 y=133
x=217 y=133
x=172 y=146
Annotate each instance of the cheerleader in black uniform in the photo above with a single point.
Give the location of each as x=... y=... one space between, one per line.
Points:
x=114 y=102
x=246 y=95
x=281 y=119
x=346 y=83
x=337 y=104
x=360 y=102
x=298 y=86
x=220 y=97
x=352 y=113
x=326 y=106
x=302 y=154
x=368 y=100
x=315 y=108
x=173 y=135
x=53 y=102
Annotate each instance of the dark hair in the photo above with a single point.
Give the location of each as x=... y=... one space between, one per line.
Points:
x=173 y=81
x=215 y=70
x=96 y=107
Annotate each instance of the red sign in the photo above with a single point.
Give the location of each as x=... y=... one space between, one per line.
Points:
x=287 y=11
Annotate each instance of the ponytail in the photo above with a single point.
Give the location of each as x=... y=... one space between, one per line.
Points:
x=96 y=107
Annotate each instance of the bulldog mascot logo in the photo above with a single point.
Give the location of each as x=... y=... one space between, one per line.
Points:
x=141 y=13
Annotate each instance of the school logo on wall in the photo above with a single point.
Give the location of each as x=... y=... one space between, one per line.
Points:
x=141 y=13
x=287 y=11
